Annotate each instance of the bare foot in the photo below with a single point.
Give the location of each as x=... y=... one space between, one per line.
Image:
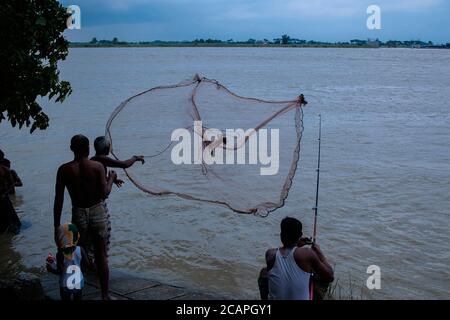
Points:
x=108 y=297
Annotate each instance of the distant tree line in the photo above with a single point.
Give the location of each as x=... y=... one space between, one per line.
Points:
x=114 y=41
x=284 y=40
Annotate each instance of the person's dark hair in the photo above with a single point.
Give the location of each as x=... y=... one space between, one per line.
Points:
x=2 y=155
x=79 y=144
x=102 y=146
x=291 y=231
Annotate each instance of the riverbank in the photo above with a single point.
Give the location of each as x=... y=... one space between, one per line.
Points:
x=126 y=286
x=122 y=286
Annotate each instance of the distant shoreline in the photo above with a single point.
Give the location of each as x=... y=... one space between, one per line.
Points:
x=284 y=41
x=242 y=45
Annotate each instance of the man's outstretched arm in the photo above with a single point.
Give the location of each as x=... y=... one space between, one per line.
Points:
x=123 y=164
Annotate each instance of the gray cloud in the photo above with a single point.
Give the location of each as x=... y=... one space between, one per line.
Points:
x=240 y=19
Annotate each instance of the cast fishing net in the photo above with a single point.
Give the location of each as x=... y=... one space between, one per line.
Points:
x=203 y=142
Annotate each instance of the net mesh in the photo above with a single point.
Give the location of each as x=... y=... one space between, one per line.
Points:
x=145 y=124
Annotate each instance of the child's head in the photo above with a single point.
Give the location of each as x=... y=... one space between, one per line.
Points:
x=102 y=146
x=67 y=236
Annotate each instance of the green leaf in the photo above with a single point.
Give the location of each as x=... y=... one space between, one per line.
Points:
x=41 y=21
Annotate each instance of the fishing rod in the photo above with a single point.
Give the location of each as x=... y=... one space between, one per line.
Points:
x=317 y=184
x=312 y=284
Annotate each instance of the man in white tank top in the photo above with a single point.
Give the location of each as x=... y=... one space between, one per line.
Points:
x=290 y=267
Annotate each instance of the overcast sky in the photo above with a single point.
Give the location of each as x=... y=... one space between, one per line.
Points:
x=325 y=20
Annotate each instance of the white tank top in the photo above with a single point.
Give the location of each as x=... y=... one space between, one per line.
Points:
x=287 y=281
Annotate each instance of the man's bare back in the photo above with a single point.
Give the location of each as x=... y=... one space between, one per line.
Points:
x=85 y=180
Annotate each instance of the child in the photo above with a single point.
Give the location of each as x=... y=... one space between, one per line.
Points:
x=71 y=261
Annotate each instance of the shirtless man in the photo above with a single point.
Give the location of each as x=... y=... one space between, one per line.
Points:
x=88 y=186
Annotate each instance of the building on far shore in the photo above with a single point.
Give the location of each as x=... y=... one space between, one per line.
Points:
x=373 y=43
